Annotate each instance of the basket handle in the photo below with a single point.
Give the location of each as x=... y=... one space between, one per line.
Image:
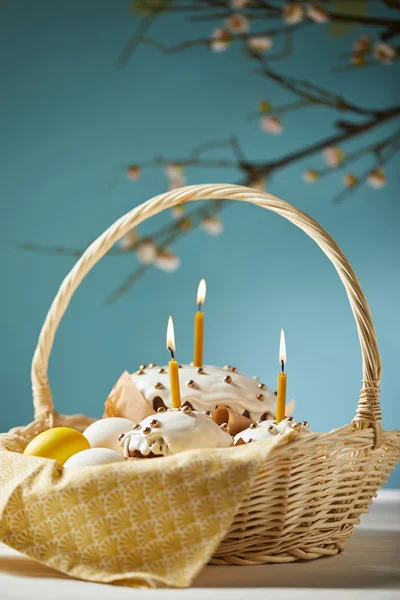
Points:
x=368 y=411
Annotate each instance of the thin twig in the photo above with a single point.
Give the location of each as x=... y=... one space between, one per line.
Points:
x=127 y=284
x=311 y=92
x=267 y=168
x=369 y=63
x=227 y=13
x=136 y=39
x=282 y=110
x=206 y=146
x=337 y=17
x=190 y=162
x=285 y=52
x=165 y=231
x=114 y=251
x=333 y=140
x=348 y=191
x=50 y=250
x=375 y=148
x=231 y=142
x=187 y=44
x=176 y=233
x=237 y=149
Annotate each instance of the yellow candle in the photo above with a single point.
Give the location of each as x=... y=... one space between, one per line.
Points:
x=281 y=393
x=173 y=366
x=199 y=326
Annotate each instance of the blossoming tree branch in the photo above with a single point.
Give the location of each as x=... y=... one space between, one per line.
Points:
x=266 y=30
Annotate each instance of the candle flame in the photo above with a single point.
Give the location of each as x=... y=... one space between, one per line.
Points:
x=170 y=336
x=201 y=292
x=282 y=348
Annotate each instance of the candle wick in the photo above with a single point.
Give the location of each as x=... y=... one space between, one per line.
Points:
x=172 y=353
x=199 y=306
x=283 y=366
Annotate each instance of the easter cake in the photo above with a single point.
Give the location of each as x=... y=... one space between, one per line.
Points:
x=172 y=431
x=263 y=430
x=205 y=388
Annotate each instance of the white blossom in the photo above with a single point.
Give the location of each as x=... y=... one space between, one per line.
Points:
x=384 y=53
x=292 y=13
x=175 y=175
x=220 y=40
x=174 y=184
x=376 y=178
x=212 y=225
x=174 y=170
x=146 y=251
x=167 y=261
x=260 y=43
x=311 y=176
x=272 y=125
x=333 y=156
x=178 y=211
x=129 y=240
x=237 y=23
x=317 y=14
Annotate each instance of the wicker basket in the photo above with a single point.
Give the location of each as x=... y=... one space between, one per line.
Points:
x=308 y=497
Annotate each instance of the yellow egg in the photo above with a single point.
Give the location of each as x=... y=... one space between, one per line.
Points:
x=59 y=443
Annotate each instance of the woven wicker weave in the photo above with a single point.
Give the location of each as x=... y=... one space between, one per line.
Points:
x=309 y=496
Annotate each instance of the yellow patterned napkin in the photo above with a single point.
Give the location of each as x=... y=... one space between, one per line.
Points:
x=151 y=522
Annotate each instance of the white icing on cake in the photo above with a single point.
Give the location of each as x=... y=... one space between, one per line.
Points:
x=260 y=431
x=210 y=389
x=174 y=431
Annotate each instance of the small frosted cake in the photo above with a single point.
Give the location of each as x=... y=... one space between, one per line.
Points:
x=268 y=429
x=172 y=431
x=205 y=388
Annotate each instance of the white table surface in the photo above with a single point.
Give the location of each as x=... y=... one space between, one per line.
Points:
x=369 y=568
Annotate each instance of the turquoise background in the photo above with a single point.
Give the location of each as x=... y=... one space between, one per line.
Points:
x=70 y=122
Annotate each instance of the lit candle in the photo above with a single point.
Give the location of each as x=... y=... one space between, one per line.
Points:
x=199 y=326
x=173 y=366
x=281 y=393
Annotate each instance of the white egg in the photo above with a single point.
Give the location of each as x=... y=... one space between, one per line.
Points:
x=104 y=433
x=92 y=457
